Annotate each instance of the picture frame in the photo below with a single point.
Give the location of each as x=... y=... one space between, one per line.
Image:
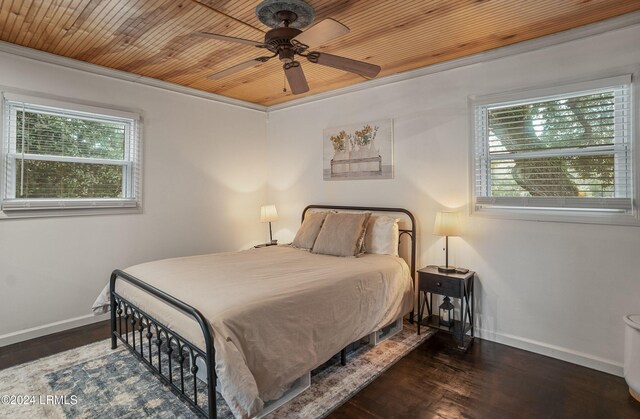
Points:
x=359 y=151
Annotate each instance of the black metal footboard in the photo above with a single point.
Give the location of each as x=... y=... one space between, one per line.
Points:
x=127 y=320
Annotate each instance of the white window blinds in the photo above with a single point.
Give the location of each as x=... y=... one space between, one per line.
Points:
x=58 y=155
x=566 y=151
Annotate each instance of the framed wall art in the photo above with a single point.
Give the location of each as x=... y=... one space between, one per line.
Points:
x=359 y=151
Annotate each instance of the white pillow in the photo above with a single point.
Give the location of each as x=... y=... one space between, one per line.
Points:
x=382 y=235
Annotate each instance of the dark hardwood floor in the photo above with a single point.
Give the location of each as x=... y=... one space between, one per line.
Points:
x=33 y=349
x=436 y=381
x=489 y=381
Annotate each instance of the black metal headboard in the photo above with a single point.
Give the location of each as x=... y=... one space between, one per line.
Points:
x=410 y=232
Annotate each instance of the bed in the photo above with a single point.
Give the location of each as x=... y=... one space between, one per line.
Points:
x=251 y=323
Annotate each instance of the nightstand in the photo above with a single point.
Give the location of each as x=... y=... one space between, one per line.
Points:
x=452 y=285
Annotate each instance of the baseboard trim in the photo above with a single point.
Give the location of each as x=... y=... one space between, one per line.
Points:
x=553 y=351
x=47 y=329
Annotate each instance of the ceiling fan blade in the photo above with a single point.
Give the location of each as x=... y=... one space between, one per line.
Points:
x=295 y=77
x=219 y=37
x=238 y=67
x=321 y=33
x=346 y=64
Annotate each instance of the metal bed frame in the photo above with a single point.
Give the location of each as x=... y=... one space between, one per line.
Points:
x=127 y=320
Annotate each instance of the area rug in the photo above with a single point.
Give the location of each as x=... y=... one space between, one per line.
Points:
x=95 y=382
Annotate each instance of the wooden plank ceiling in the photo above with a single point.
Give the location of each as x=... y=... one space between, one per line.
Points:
x=152 y=37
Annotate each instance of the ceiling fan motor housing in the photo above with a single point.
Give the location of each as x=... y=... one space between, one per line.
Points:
x=278 y=41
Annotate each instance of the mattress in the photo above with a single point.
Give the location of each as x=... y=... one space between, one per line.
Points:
x=276 y=312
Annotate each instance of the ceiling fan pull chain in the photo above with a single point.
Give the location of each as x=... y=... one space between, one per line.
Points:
x=284 y=83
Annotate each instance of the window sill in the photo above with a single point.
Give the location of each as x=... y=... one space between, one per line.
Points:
x=66 y=212
x=559 y=216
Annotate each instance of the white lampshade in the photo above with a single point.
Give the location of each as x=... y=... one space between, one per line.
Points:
x=268 y=213
x=447 y=224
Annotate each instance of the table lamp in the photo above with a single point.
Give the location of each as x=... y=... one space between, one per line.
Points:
x=447 y=224
x=268 y=213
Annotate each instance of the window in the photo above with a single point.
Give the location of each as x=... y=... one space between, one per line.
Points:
x=58 y=155
x=567 y=154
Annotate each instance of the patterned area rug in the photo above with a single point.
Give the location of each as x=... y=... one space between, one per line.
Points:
x=95 y=382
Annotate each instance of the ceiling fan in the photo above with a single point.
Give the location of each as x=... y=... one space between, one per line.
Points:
x=286 y=40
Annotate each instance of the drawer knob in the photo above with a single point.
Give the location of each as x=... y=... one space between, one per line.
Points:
x=439 y=284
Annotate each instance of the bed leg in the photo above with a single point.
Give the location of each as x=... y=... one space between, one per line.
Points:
x=211 y=369
x=343 y=357
x=112 y=288
x=211 y=383
x=114 y=340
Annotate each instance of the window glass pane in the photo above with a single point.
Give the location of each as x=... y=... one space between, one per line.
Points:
x=583 y=176
x=566 y=131
x=49 y=179
x=582 y=121
x=61 y=135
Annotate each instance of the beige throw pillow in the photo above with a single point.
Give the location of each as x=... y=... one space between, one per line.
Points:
x=308 y=232
x=342 y=234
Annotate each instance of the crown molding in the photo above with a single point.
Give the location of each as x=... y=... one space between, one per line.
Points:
x=592 y=29
x=46 y=57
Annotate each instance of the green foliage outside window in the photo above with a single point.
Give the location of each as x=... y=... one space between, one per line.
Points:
x=579 y=122
x=56 y=135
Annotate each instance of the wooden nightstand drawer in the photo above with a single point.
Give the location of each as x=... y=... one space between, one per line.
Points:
x=443 y=286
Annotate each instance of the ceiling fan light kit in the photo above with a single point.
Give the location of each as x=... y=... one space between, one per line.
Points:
x=286 y=39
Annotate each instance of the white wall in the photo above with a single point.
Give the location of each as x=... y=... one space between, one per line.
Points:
x=204 y=182
x=555 y=288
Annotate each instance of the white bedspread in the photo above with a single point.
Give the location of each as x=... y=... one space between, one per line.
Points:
x=276 y=312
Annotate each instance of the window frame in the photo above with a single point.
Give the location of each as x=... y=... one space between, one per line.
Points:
x=565 y=210
x=53 y=207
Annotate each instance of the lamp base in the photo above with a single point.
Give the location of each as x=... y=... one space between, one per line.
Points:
x=446 y=269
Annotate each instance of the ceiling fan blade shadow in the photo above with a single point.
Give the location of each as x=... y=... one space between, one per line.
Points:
x=346 y=64
x=219 y=37
x=295 y=77
x=321 y=33
x=238 y=67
